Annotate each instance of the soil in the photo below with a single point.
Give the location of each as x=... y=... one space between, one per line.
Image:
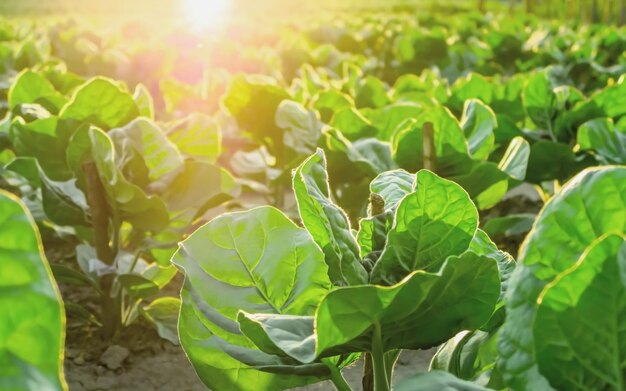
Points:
x=156 y=364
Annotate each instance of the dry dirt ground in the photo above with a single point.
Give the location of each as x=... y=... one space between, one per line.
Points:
x=155 y=364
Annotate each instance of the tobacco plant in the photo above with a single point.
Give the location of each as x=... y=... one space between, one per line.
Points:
x=97 y=169
x=565 y=301
x=270 y=305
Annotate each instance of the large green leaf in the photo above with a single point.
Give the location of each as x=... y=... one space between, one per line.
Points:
x=551 y=160
x=371 y=92
x=127 y=200
x=580 y=326
x=197 y=136
x=46 y=140
x=485 y=183
x=144 y=101
x=387 y=119
x=302 y=127
x=515 y=160
x=329 y=102
x=590 y=205
x=102 y=103
x=605 y=139
x=392 y=186
x=32 y=319
x=326 y=222
x=540 y=101
x=478 y=123
x=420 y=312
x=432 y=223
x=252 y=101
x=30 y=87
x=198 y=187
x=255 y=261
x=62 y=201
x=352 y=124
x=144 y=138
x=451 y=149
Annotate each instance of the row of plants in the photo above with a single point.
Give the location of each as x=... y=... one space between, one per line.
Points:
x=394 y=133
x=267 y=304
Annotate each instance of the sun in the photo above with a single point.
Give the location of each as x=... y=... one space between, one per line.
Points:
x=205 y=14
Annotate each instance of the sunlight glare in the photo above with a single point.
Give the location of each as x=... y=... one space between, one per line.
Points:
x=205 y=14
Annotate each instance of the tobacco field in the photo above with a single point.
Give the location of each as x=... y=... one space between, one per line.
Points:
x=337 y=195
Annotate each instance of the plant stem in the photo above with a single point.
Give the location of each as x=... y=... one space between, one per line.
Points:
x=428 y=147
x=390 y=362
x=111 y=316
x=99 y=212
x=381 y=383
x=338 y=380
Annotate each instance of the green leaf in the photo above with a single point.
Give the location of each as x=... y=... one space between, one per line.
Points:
x=302 y=127
x=540 y=101
x=252 y=101
x=163 y=314
x=435 y=381
x=255 y=261
x=32 y=319
x=331 y=101
x=432 y=223
x=197 y=136
x=138 y=286
x=591 y=205
x=482 y=245
x=550 y=160
x=46 y=140
x=485 y=183
x=102 y=103
x=473 y=86
x=126 y=199
x=30 y=87
x=510 y=225
x=478 y=124
x=371 y=92
x=392 y=186
x=372 y=235
x=144 y=138
x=63 y=202
x=387 y=119
x=607 y=141
x=352 y=124
x=515 y=160
x=579 y=326
x=451 y=150
x=470 y=355
x=143 y=100
x=462 y=295
x=200 y=186
x=326 y=222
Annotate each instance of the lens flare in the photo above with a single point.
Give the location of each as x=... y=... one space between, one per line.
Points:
x=205 y=14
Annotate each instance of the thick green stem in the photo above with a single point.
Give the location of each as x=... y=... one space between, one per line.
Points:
x=381 y=382
x=338 y=380
x=111 y=307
